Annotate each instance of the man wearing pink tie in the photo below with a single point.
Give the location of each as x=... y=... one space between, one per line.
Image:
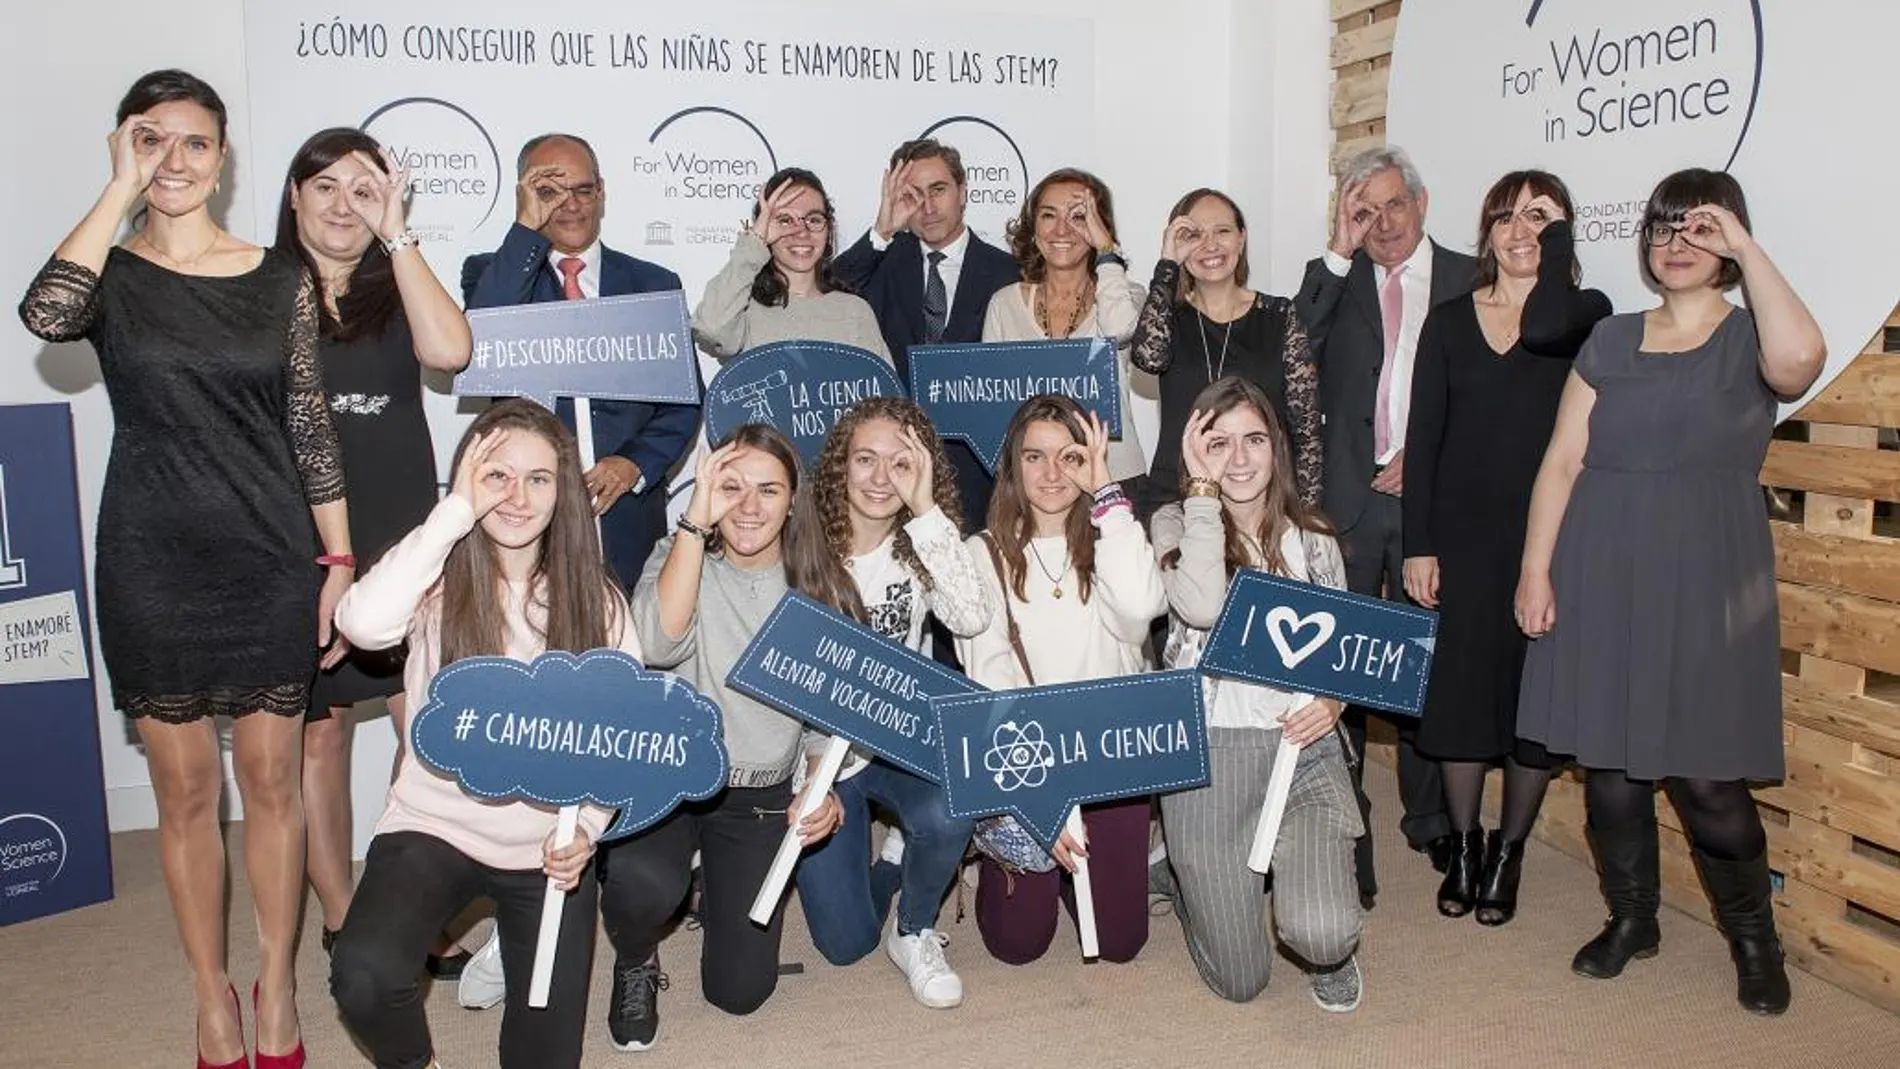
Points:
x=1363 y=302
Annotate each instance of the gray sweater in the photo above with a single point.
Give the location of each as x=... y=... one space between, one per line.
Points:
x=727 y=321
x=762 y=743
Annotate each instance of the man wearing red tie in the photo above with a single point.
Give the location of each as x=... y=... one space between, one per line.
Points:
x=1363 y=303
x=553 y=253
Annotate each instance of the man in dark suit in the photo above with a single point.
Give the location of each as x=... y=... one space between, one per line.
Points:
x=1363 y=303
x=553 y=253
x=928 y=278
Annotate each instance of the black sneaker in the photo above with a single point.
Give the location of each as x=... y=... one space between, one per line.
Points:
x=633 y=1014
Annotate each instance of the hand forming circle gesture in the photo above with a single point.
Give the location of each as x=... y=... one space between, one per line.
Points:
x=1092 y=225
x=914 y=473
x=539 y=194
x=377 y=195
x=1352 y=219
x=1086 y=463
x=1197 y=448
x=1543 y=210
x=480 y=479
x=1182 y=239
x=766 y=225
x=1715 y=230
x=138 y=146
x=714 y=492
x=898 y=199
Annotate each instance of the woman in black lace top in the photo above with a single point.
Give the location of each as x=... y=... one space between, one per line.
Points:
x=1201 y=322
x=224 y=475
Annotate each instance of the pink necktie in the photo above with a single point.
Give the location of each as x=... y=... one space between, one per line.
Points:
x=1391 y=311
x=572 y=266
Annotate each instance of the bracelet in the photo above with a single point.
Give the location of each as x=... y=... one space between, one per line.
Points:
x=1109 y=492
x=1102 y=511
x=1199 y=486
x=405 y=240
x=692 y=528
x=336 y=560
x=1111 y=255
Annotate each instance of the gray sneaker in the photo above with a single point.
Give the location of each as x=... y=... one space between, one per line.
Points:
x=1337 y=989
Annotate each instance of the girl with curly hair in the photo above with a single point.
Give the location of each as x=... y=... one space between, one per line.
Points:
x=886 y=551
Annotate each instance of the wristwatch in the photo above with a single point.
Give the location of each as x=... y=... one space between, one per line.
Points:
x=1111 y=255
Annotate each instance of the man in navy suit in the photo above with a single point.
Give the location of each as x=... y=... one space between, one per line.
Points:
x=928 y=278
x=553 y=253
x=1363 y=303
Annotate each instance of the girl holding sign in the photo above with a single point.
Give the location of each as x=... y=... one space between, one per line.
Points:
x=881 y=545
x=508 y=564
x=1069 y=563
x=1242 y=510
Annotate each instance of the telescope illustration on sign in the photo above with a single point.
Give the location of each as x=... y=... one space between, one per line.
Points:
x=754 y=395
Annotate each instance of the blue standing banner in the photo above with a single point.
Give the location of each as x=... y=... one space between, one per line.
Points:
x=54 y=850
x=1317 y=640
x=637 y=347
x=799 y=387
x=973 y=390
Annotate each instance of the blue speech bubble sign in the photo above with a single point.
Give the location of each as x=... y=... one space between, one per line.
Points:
x=637 y=347
x=826 y=669
x=566 y=729
x=1316 y=640
x=972 y=391
x=799 y=387
x=1038 y=752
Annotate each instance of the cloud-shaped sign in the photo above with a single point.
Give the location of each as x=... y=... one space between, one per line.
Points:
x=800 y=387
x=566 y=729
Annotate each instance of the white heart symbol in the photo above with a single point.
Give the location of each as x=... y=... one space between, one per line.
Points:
x=1283 y=622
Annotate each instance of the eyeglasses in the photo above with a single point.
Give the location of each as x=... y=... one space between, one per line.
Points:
x=814 y=222
x=585 y=193
x=1660 y=233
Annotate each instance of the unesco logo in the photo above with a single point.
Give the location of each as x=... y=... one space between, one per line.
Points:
x=997 y=174
x=455 y=174
x=703 y=167
x=32 y=854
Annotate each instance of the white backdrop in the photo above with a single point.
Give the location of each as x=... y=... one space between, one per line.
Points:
x=1611 y=95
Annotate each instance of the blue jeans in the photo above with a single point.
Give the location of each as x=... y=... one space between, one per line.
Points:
x=846 y=898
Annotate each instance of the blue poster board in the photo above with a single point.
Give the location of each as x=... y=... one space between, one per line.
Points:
x=799 y=387
x=637 y=347
x=54 y=850
x=973 y=390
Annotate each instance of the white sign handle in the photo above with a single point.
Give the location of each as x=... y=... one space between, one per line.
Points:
x=816 y=788
x=1273 y=810
x=551 y=907
x=1084 y=889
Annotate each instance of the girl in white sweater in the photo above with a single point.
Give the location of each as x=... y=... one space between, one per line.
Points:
x=1066 y=558
x=508 y=564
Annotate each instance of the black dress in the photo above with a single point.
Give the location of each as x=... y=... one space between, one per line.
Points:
x=1185 y=350
x=1476 y=435
x=375 y=390
x=205 y=571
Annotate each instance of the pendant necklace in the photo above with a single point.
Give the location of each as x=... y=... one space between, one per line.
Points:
x=1207 y=356
x=1041 y=310
x=1054 y=580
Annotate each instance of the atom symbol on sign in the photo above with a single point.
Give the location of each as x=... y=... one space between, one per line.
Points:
x=1019 y=756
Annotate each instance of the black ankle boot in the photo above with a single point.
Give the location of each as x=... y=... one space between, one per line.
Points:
x=1629 y=872
x=1459 y=893
x=1744 y=906
x=1497 y=887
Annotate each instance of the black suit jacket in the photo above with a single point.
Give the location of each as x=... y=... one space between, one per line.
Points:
x=1348 y=336
x=893 y=282
x=653 y=436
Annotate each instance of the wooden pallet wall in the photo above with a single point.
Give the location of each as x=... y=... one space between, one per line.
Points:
x=1834 y=476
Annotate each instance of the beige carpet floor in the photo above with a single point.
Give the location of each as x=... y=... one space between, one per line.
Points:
x=103 y=987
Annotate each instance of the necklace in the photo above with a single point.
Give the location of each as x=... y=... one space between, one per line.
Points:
x=1082 y=300
x=181 y=264
x=1054 y=580
x=1205 y=315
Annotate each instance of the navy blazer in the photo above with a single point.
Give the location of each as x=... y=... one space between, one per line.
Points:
x=1348 y=336
x=653 y=436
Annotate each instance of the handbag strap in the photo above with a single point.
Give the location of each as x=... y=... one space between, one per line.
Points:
x=1009 y=617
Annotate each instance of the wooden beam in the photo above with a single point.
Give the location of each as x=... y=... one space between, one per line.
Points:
x=1359 y=98
x=1840 y=627
x=1813 y=704
x=1866 y=566
x=1844 y=471
x=1866 y=393
x=1344 y=9
x=1364 y=44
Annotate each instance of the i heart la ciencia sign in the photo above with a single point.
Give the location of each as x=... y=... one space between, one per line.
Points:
x=1611 y=95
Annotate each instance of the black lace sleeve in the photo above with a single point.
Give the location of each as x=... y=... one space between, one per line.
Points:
x=62 y=303
x=312 y=435
x=1558 y=317
x=1301 y=367
x=1152 y=349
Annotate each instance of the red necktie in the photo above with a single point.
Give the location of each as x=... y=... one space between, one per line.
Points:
x=571 y=268
x=1391 y=310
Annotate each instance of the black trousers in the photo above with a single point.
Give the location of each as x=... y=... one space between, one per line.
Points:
x=645 y=879
x=1375 y=565
x=412 y=885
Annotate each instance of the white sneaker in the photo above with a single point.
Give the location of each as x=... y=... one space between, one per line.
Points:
x=893 y=848
x=920 y=958
x=482 y=985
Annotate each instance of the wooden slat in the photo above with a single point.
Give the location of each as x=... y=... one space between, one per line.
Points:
x=1360 y=97
x=1855 y=717
x=1827 y=785
x=1364 y=44
x=1824 y=858
x=1346 y=149
x=1836 y=950
x=1840 y=627
x=1845 y=471
x=1343 y=9
x=1866 y=393
x=1865 y=566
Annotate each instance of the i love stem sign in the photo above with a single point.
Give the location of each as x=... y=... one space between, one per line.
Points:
x=1315 y=640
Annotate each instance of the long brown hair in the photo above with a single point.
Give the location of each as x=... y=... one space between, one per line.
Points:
x=365 y=308
x=772 y=442
x=814 y=559
x=1022 y=229
x=1011 y=519
x=1283 y=505
x=583 y=602
x=1500 y=203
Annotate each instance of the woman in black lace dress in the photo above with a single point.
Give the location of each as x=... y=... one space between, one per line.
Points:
x=1201 y=322
x=224 y=475
x=384 y=317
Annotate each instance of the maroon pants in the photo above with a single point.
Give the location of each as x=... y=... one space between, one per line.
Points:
x=1016 y=912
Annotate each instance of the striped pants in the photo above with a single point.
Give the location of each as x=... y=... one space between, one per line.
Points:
x=1315 y=899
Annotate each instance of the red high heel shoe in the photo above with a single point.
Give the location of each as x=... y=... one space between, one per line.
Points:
x=293 y=1060
x=243 y=1060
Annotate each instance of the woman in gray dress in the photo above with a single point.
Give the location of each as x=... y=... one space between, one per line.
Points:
x=1648 y=576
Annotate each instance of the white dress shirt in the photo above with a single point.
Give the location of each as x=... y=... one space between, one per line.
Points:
x=1415 y=285
x=951 y=268
x=590 y=274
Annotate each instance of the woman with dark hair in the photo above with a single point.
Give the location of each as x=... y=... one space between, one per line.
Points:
x=223 y=478
x=507 y=565
x=1242 y=509
x=383 y=317
x=1648 y=579
x=880 y=544
x=1201 y=322
x=1075 y=285
x=1070 y=565
x=1489 y=370
x=778 y=284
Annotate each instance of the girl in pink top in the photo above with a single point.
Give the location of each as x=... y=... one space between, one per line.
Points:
x=508 y=564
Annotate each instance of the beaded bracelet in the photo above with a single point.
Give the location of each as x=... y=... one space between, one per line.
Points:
x=692 y=528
